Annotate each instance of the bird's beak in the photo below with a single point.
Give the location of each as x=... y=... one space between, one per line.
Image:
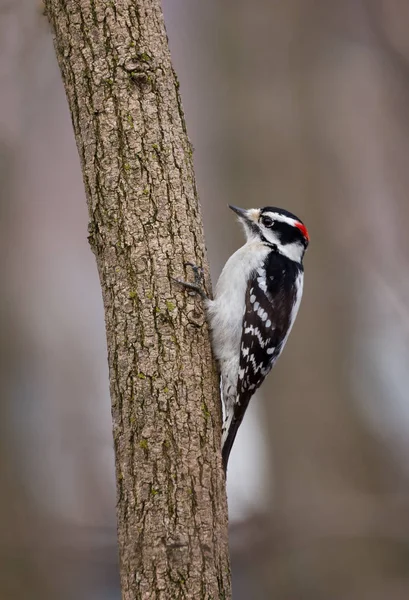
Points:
x=247 y=215
x=242 y=212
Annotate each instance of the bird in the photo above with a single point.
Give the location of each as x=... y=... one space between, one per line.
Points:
x=255 y=303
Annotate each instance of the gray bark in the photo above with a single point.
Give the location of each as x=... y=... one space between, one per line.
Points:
x=145 y=224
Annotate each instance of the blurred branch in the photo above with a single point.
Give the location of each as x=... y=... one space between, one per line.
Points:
x=375 y=10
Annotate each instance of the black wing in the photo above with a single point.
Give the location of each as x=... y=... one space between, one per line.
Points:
x=270 y=298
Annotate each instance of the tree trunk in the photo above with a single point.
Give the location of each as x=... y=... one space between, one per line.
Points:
x=145 y=223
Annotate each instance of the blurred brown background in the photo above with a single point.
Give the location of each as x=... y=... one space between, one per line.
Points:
x=301 y=104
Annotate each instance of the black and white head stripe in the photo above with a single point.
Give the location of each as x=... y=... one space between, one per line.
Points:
x=277 y=228
x=288 y=227
x=280 y=213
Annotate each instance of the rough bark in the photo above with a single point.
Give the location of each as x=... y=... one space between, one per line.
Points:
x=145 y=223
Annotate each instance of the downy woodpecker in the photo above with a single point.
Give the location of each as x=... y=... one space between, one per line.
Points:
x=256 y=300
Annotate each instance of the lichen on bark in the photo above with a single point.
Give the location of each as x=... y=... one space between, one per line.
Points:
x=145 y=224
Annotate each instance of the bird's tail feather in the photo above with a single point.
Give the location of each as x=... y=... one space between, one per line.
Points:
x=231 y=427
x=229 y=435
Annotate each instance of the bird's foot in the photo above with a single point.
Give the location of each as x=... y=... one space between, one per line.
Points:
x=197 y=286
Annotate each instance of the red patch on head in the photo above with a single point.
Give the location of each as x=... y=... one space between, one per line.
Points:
x=303 y=230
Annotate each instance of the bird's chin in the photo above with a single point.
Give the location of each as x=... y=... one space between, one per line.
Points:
x=250 y=229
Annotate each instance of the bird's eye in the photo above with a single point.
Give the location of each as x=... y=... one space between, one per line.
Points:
x=267 y=221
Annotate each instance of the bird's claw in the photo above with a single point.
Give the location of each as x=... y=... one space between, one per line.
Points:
x=197 y=286
x=198 y=272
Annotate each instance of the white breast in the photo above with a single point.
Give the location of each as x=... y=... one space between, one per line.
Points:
x=226 y=311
